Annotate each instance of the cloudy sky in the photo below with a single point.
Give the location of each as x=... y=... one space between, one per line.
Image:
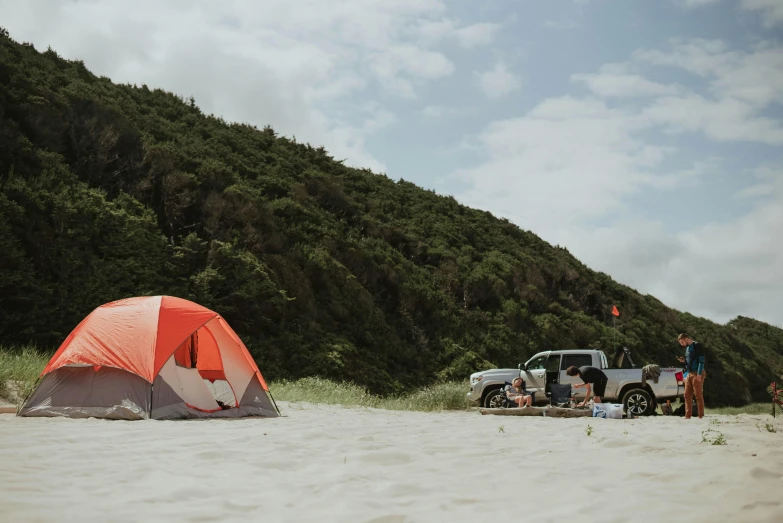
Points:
x=644 y=136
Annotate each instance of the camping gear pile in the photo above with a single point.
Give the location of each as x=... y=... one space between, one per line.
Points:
x=561 y=405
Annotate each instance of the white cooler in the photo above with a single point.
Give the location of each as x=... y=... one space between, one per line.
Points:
x=608 y=410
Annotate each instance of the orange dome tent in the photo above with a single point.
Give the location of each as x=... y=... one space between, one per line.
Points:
x=155 y=357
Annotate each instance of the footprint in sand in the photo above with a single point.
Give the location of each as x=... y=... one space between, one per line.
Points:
x=276 y=465
x=229 y=505
x=466 y=501
x=210 y=454
x=401 y=490
x=760 y=504
x=387 y=458
x=395 y=518
x=760 y=473
x=617 y=443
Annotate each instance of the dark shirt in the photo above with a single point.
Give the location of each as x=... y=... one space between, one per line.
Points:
x=694 y=358
x=591 y=374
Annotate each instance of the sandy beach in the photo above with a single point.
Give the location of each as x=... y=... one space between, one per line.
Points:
x=325 y=463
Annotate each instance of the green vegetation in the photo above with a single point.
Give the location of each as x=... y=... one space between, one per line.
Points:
x=109 y=191
x=446 y=396
x=19 y=369
x=717 y=439
x=751 y=408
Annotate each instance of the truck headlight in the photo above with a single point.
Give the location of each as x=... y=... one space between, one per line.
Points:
x=476 y=379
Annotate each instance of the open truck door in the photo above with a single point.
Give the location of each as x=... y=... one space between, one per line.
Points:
x=534 y=374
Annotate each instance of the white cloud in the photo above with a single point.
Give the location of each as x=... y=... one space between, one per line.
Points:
x=724 y=120
x=417 y=63
x=441 y=111
x=566 y=161
x=754 y=76
x=623 y=85
x=697 y=55
x=561 y=24
x=431 y=32
x=741 y=84
x=476 y=34
x=770 y=183
x=434 y=111
x=498 y=81
x=771 y=10
x=296 y=65
x=692 y=4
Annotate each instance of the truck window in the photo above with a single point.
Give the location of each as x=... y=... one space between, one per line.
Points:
x=538 y=363
x=553 y=363
x=577 y=360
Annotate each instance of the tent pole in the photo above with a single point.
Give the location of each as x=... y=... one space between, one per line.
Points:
x=274 y=402
x=27 y=396
x=149 y=409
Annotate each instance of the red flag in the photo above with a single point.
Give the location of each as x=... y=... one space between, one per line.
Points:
x=615 y=312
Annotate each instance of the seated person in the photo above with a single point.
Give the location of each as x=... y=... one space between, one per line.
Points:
x=518 y=393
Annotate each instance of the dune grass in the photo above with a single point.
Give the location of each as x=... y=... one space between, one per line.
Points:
x=445 y=396
x=19 y=369
x=751 y=408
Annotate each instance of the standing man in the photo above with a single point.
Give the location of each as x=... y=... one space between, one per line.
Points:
x=591 y=376
x=694 y=377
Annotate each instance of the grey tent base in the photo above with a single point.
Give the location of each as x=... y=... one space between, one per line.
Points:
x=108 y=393
x=81 y=392
x=112 y=413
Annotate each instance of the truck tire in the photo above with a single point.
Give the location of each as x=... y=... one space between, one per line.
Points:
x=638 y=402
x=493 y=399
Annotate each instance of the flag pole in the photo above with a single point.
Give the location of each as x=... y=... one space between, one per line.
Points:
x=615 y=314
x=614 y=331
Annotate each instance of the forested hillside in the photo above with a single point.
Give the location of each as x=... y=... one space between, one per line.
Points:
x=109 y=191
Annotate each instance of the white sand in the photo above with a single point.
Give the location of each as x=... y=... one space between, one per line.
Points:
x=331 y=464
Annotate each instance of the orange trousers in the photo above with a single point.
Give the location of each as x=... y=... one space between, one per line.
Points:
x=692 y=386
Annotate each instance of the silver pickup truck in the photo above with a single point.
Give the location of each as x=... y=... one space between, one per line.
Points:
x=639 y=397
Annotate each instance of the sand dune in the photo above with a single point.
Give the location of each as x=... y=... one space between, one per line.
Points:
x=324 y=463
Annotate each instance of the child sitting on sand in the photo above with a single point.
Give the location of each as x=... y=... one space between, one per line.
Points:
x=518 y=393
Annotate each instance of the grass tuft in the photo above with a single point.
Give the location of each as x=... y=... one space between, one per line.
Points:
x=19 y=369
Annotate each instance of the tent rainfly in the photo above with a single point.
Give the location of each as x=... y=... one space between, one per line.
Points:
x=157 y=357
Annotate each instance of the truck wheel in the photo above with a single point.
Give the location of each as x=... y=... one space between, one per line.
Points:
x=493 y=399
x=638 y=402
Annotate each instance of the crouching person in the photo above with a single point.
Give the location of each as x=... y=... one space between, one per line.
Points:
x=517 y=392
x=594 y=379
